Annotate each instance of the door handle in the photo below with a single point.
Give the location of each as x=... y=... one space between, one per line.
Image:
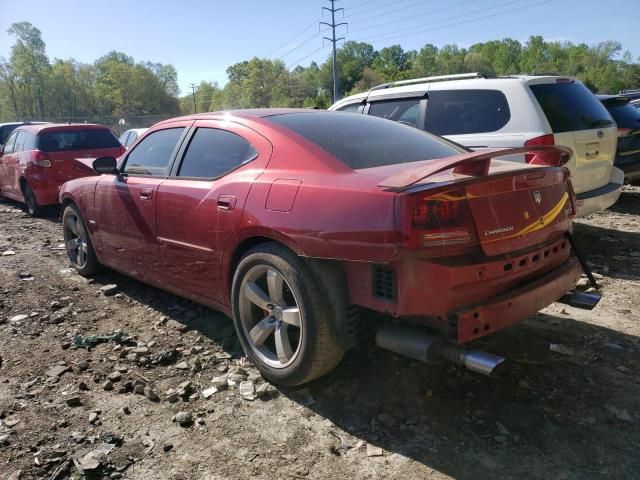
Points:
x=226 y=202
x=146 y=194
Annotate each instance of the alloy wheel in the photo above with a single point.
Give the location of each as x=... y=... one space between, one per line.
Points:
x=270 y=316
x=75 y=238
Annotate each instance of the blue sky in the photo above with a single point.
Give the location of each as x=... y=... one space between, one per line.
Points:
x=202 y=38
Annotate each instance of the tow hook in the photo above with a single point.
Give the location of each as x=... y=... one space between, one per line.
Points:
x=584 y=300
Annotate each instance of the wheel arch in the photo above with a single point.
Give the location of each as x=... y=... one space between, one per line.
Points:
x=329 y=274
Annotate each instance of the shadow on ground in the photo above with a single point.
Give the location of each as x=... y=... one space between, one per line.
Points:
x=546 y=415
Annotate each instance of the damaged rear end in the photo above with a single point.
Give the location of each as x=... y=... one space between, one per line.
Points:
x=484 y=244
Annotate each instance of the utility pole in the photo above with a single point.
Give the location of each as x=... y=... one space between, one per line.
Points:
x=334 y=41
x=193 y=90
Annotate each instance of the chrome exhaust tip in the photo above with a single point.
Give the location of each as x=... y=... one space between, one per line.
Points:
x=481 y=362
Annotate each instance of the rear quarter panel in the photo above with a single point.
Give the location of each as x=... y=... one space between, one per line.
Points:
x=334 y=213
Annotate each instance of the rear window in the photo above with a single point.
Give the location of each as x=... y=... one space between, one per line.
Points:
x=361 y=141
x=5 y=131
x=458 y=112
x=626 y=115
x=77 y=139
x=570 y=107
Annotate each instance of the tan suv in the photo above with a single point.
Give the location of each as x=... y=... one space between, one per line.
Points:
x=514 y=111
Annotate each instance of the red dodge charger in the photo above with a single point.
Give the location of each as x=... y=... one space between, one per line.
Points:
x=293 y=221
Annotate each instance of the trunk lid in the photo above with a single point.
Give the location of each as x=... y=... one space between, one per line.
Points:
x=594 y=153
x=64 y=144
x=515 y=211
x=473 y=199
x=64 y=166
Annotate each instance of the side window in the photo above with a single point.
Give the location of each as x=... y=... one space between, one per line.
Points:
x=132 y=138
x=352 y=107
x=11 y=141
x=19 y=145
x=153 y=155
x=213 y=152
x=404 y=111
x=123 y=139
x=453 y=112
x=29 y=141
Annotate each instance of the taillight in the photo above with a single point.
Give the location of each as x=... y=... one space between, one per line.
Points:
x=439 y=220
x=40 y=159
x=623 y=132
x=541 y=158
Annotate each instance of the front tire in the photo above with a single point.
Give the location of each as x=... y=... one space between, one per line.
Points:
x=78 y=243
x=282 y=318
x=30 y=201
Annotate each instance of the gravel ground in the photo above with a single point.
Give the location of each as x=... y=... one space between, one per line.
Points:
x=144 y=404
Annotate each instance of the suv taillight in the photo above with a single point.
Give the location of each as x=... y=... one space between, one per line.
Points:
x=439 y=221
x=540 y=158
x=40 y=159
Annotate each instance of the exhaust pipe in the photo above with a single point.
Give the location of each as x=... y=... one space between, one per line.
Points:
x=416 y=343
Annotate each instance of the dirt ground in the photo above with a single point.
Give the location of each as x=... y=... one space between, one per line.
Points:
x=567 y=414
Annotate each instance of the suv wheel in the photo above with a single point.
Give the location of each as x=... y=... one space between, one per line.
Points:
x=31 y=202
x=282 y=318
x=78 y=243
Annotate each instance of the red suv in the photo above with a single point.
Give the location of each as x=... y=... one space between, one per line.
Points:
x=37 y=159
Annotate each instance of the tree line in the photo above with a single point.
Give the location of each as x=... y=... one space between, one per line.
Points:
x=268 y=83
x=34 y=87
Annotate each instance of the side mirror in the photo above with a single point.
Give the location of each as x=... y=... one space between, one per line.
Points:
x=106 y=165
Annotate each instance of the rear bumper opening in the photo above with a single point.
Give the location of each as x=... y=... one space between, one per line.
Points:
x=600 y=198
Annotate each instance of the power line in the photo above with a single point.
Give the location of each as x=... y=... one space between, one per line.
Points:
x=291 y=39
x=378 y=15
x=431 y=12
x=297 y=62
x=408 y=34
x=354 y=7
x=304 y=42
x=376 y=8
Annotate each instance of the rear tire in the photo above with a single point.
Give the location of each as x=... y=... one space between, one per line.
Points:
x=78 y=243
x=30 y=201
x=282 y=317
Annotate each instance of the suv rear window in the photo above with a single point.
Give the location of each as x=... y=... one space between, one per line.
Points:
x=570 y=107
x=77 y=139
x=361 y=141
x=457 y=112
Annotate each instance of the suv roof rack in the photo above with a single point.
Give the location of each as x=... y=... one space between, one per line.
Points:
x=438 y=78
x=632 y=90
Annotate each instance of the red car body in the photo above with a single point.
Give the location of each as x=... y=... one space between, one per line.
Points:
x=33 y=156
x=464 y=245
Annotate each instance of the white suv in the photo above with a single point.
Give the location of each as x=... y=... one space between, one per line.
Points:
x=514 y=111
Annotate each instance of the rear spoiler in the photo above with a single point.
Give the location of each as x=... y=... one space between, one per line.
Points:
x=473 y=163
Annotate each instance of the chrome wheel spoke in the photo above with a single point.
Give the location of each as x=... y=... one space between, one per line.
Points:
x=255 y=294
x=275 y=284
x=283 y=345
x=72 y=224
x=262 y=330
x=291 y=316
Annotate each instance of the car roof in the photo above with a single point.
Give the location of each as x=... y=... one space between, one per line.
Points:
x=241 y=113
x=61 y=126
x=21 y=123
x=418 y=87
